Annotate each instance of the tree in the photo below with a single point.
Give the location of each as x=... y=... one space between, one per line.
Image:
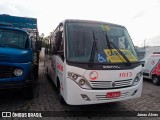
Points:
x=42 y=38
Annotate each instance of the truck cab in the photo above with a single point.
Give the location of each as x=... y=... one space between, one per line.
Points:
x=18 y=54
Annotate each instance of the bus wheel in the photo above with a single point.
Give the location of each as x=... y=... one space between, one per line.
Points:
x=60 y=95
x=156 y=80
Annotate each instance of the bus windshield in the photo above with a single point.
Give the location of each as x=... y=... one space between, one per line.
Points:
x=12 y=38
x=81 y=39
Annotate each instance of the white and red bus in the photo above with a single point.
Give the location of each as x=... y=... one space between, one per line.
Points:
x=93 y=62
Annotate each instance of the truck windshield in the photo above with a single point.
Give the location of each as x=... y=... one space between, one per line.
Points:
x=12 y=38
x=80 y=41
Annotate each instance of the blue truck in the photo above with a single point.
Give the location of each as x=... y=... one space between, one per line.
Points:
x=19 y=53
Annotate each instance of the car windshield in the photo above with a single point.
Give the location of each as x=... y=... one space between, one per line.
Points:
x=12 y=38
x=80 y=39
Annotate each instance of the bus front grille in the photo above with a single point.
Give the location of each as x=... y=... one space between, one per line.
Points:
x=6 y=72
x=111 y=84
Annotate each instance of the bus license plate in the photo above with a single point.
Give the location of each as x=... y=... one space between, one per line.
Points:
x=113 y=94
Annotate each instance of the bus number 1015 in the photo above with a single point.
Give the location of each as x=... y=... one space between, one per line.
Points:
x=125 y=74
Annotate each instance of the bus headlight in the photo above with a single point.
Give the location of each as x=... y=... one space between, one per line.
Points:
x=137 y=78
x=83 y=83
x=69 y=74
x=18 y=72
x=80 y=80
x=73 y=76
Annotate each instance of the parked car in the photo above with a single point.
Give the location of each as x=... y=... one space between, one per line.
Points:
x=151 y=67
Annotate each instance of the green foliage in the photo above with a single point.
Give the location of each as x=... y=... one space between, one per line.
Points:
x=43 y=39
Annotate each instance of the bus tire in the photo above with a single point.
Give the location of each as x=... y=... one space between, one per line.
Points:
x=61 y=99
x=156 y=80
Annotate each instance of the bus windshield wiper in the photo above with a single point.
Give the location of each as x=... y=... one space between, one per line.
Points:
x=94 y=47
x=109 y=43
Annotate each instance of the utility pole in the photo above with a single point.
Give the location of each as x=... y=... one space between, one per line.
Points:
x=145 y=43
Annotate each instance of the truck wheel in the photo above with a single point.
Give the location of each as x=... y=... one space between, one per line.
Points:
x=36 y=75
x=29 y=92
x=36 y=72
x=47 y=71
x=156 y=80
x=60 y=95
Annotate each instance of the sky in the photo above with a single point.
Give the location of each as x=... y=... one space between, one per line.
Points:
x=140 y=17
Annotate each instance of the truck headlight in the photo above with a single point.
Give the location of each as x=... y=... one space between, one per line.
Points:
x=80 y=80
x=18 y=72
x=137 y=79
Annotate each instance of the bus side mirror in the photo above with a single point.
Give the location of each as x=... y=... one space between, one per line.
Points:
x=38 y=45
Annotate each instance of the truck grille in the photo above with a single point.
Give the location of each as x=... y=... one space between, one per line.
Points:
x=111 y=84
x=5 y=58
x=6 y=71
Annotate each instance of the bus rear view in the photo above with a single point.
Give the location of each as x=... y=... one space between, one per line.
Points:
x=93 y=62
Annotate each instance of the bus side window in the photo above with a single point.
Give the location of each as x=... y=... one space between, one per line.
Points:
x=52 y=46
x=46 y=48
x=61 y=48
x=55 y=42
x=58 y=45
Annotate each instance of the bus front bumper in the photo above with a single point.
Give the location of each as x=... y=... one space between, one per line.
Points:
x=77 y=96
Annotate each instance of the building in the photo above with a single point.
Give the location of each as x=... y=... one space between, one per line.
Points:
x=145 y=51
x=141 y=51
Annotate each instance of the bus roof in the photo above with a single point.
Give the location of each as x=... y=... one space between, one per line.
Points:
x=90 y=21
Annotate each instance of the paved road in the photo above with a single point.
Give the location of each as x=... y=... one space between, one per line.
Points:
x=46 y=99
